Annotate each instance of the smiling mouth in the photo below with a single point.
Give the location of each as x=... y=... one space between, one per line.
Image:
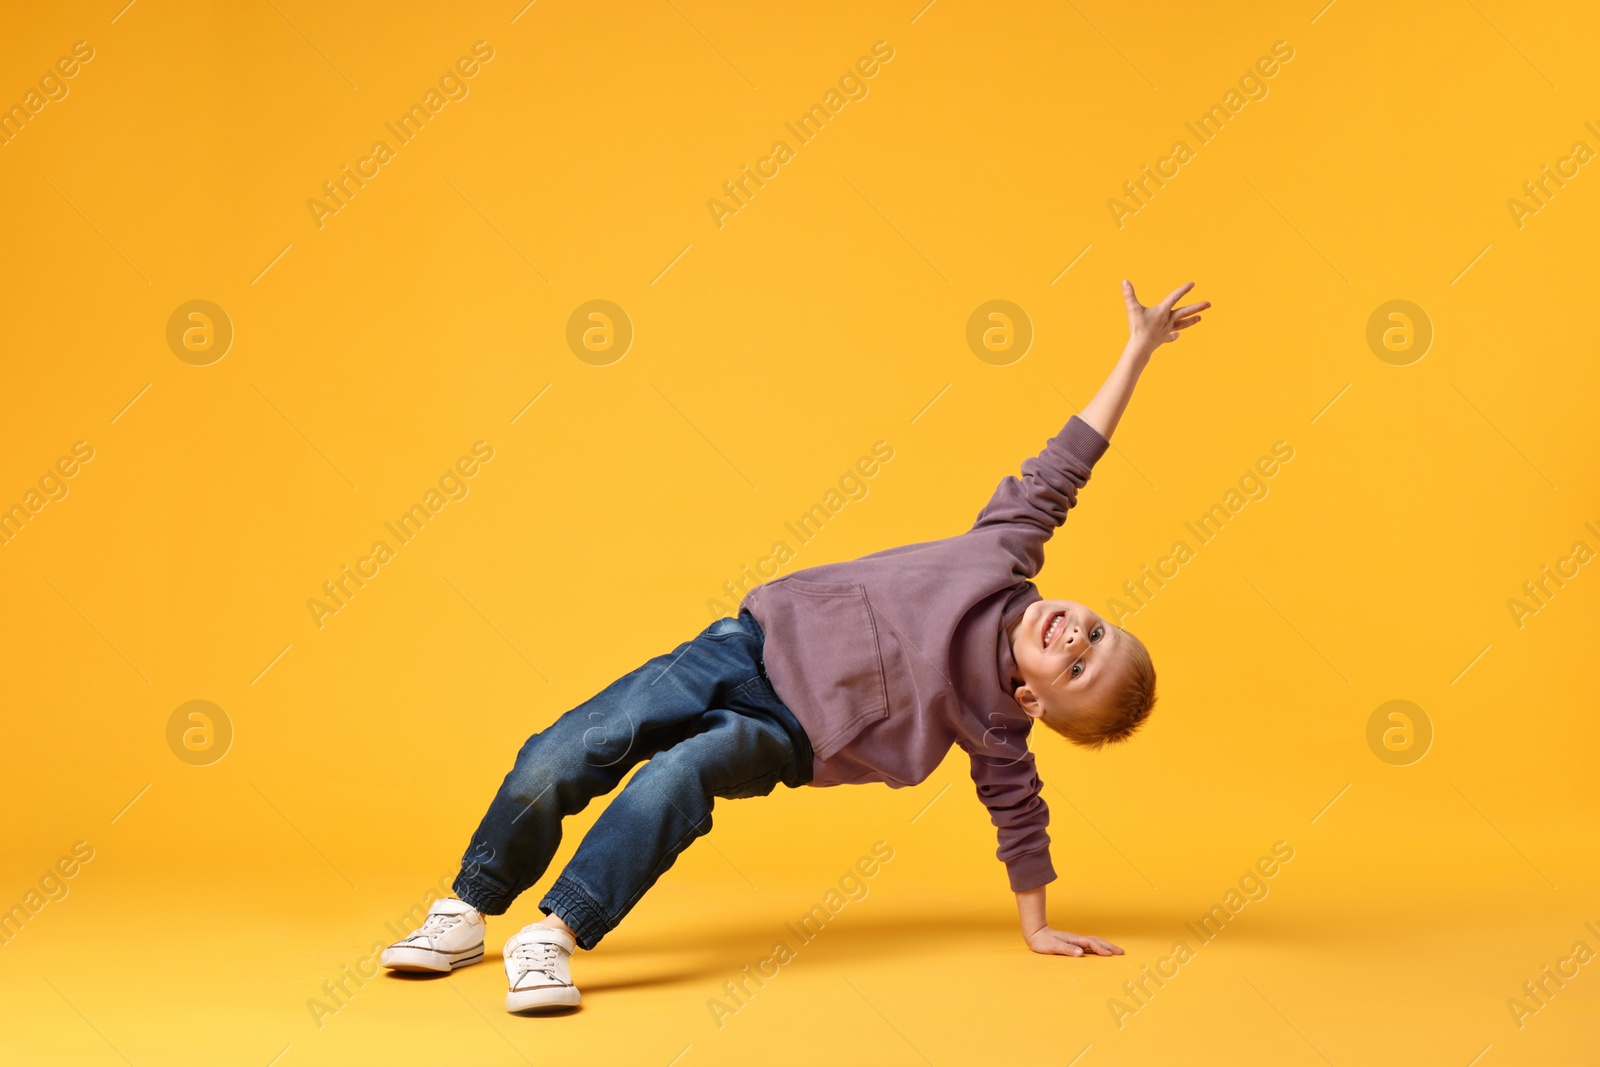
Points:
x=1053 y=626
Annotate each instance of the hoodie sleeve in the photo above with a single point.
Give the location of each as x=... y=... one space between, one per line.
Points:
x=1024 y=512
x=1010 y=788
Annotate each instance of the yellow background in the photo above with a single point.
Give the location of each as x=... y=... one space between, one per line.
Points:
x=769 y=355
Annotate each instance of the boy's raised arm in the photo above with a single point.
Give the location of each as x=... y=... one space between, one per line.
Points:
x=1148 y=329
x=1025 y=511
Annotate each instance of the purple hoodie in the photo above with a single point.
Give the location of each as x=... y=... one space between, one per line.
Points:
x=890 y=659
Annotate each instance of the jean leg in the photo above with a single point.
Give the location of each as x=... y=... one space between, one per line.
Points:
x=663 y=809
x=588 y=750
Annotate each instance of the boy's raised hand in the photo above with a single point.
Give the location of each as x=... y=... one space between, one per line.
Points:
x=1151 y=327
x=1148 y=330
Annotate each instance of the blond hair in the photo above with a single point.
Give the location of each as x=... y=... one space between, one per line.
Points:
x=1129 y=708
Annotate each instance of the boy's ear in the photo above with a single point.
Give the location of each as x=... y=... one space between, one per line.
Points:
x=1028 y=701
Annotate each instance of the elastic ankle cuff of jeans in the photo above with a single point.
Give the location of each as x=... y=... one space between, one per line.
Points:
x=488 y=899
x=575 y=907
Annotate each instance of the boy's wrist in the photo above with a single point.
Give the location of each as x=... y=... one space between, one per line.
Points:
x=1031 y=911
x=1137 y=352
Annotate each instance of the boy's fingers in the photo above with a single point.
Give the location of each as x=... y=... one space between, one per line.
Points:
x=1190 y=309
x=1172 y=297
x=1184 y=324
x=1129 y=297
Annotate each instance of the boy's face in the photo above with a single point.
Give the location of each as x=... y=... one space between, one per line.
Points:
x=1072 y=662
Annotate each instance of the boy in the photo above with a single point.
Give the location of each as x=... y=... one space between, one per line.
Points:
x=861 y=671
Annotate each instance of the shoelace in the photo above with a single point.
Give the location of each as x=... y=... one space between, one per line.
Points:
x=437 y=923
x=536 y=956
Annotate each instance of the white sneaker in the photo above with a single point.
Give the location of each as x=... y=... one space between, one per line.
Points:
x=450 y=937
x=536 y=967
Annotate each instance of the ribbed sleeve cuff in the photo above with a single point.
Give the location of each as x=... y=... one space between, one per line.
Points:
x=1031 y=869
x=1083 y=441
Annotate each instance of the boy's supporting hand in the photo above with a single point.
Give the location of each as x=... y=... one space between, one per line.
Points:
x=1041 y=938
x=1151 y=327
x=1061 y=943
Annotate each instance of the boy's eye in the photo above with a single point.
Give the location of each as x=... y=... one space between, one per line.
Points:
x=1097 y=633
x=1077 y=669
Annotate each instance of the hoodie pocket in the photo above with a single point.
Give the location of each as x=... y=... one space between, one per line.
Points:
x=840 y=678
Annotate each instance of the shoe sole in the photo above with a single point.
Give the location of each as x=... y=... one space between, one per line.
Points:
x=427 y=959
x=546 y=999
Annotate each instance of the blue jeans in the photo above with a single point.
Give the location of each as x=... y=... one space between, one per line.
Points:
x=707 y=720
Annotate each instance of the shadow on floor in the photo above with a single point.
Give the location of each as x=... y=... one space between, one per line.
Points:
x=720 y=952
